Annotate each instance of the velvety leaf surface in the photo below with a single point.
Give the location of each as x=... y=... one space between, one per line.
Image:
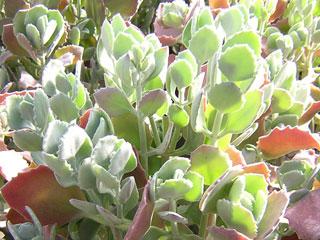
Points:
x=309 y=114
x=222 y=233
x=304 y=216
x=152 y=101
x=38 y=189
x=282 y=141
x=12 y=6
x=113 y=101
x=72 y=52
x=276 y=205
x=142 y=220
x=210 y=162
x=235 y=156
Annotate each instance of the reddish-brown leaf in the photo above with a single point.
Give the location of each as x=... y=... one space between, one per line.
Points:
x=38 y=189
x=309 y=114
x=20 y=93
x=315 y=91
x=142 y=220
x=10 y=41
x=222 y=233
x=282 y=141
x=235 y=156
x=304 y=216
x=12 y=6
x=84 y=119
x=280 y=9
x=260 y=168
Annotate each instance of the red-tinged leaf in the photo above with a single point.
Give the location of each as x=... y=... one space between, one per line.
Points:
x=304 y=216
x=309 y=114
x=282 y=141
x=11 y=163
x=316 y=184
x=39 y=189
x=14 y=217
x=27 y=81
x=142 y=220
x=10 y=41
x=219 y=3
x=235 y=156
x=21 y=93
x=12 y=6
x=222 y=233
x=259 y=168
x=69 y=55
x=25 y=43
x=280 y=9
x=84 y=119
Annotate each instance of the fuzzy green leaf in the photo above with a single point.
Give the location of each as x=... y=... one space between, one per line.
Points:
x=64 y=107
x=178 y=116
x=210 y=162
x=197 y=189
x=174 y=188
x=238 y=63
x=226 y=97
x=27 y=141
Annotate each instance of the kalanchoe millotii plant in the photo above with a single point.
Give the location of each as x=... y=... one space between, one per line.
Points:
x=218 y=140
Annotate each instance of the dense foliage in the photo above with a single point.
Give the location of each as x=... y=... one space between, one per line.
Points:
x=160 y=120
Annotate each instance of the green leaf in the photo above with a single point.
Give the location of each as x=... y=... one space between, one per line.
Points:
x=53 y=136
x=122 y=44
x=286 y=76
x=276 y=206
x=293 y=180
x=41 y=108
x=132 y=200
x=109 y=218
x=124 y=160
x=210 y=162
x=204 y=44
x=152 y=101
x=26 y=110
x=238 y=63
x=86 y=178
x=181 y=73
x=281 y=101
x=113 y=101
x=237 y=190
x=168 y=169
x=197 y=189
x=161 y=61
x=106 y=181
x=72 y=142
x=27 y=141
x=174 y=188
x=48 y=34
x=255 y=183
x=242 y=119
x=172 y=217
x=245 y=37
x=217 y=190
x=33 y=35
x=259 y=206
x=178 y=116
x=237 y=217
x=63 y=107
x=123 y=70
x=65 y=175
x=104 y=149
x=231 y=21
x=15 y=119
x=127 y=189
x=226 y=97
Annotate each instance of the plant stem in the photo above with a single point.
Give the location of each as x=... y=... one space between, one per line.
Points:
x=142 y=132
x=216 y=128
x=120 y=211
x=174 y=225
x=116 y=233
x=155 y=133
x=174 y=139
x=203 y=225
